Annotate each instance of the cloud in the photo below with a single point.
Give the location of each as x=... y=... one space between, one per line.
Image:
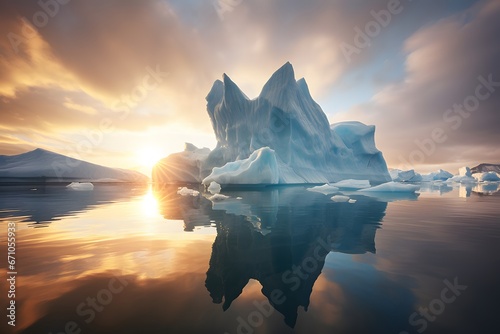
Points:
x=89 y=57
x=443 y=65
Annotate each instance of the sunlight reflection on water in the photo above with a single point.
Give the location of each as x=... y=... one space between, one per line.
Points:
x=386 y=256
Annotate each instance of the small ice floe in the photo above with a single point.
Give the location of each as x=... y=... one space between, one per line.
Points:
x=218 y=198
x=214 y=188
x=187 y=192
x=325 y=189
x=352 y=201
x=340 y=198
x=80 y=186
x=352 y=184
x=463 y=179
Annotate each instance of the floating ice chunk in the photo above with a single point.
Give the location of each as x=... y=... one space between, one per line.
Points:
x=218 y=198
x=80 y=186
x=462 y=179
x=325 y=189
x=261 y=167
x=340 y=198
x=393 y=187
x=187 y=192
x=352 y=201
x=352 y=184
x=487 y=176
x=214 y=188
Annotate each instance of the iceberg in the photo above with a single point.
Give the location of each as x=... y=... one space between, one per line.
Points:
x=80 y=186
x=464 y=177
x=486 y=177
x=393 y=187
x=290 y=133
x=440 y=175
x=398 y=175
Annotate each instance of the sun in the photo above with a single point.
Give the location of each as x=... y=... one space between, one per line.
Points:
x=148 y=157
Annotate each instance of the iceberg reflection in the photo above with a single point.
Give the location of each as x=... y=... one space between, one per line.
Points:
x=279 y=237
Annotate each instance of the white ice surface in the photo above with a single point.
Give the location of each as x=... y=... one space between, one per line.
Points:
x=352 y=184
x=218 y=197
x=393 y=187
x=325 y=189
x=80 y=186
x=184 y=191
x=214 y=188
x=260 y=168
x=340 y=198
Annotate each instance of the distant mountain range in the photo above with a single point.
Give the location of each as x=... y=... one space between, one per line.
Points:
x=482 y=168
x=44 y=166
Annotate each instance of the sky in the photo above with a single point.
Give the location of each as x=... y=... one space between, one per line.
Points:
x=123 y=82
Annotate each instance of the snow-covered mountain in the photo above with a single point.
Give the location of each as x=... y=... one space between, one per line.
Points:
x=484 y=168
x=43 y=165
x=286 y=120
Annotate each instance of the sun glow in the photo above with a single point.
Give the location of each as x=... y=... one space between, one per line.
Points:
x=148 y=157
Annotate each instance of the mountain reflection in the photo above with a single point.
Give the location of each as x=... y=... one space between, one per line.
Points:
x=47 y=203
x=279 y=237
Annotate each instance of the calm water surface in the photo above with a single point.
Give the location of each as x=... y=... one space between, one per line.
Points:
x=132 y=259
